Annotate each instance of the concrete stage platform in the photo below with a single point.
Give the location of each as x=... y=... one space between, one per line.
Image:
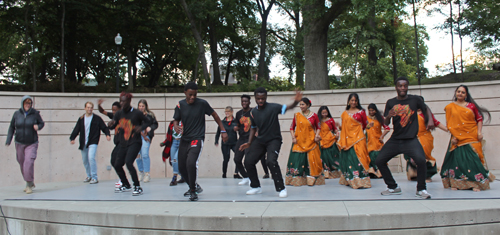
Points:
x=223 y=208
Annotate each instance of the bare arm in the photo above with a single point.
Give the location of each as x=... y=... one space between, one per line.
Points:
x=297 y=98
x=480 y=131
x=442 y=127
x=250 y=139
x=219 y=122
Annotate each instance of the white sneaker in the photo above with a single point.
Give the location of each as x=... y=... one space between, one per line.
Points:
x=245 y=181
x=147 y=177
x=283 y=193
x=253 y=191
x=141 y=176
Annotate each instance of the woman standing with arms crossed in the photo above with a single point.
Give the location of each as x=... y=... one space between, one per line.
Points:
x=375 y=137
x=304 y=164
x=464 y=163
x=354 y=159
x=25 y=124
x=143 y=162
x=329 y=150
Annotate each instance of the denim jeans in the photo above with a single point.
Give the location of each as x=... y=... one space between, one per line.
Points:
x=89 y=162
x=143 y=162
x=174 y=154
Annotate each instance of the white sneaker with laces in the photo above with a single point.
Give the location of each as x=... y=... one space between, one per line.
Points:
x=245 y=181
x=423 y=194
x=283 y=193
x=253 y=191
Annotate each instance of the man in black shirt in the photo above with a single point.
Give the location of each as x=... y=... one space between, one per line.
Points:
x=265 y=118
x=128 y=124
x=403 y=112
x=243 y=129
x=114 y=108
x=191 y=111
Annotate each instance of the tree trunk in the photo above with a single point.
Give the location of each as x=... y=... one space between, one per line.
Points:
x=416 y=42
x=299 y=50
x=263 y=72
x=229 y=61
x=372 y=51
x=129 y=69
x=62 y=44
x=451 y=32
x=393 y=51
x=316 y=21
x=356 y=61
x=199 y=41
x=213 y=52
x=461 y=40
x=71 y=43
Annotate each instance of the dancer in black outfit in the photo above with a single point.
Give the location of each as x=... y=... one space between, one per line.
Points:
x=243 y=128
x=265 y=118
x=403 y=112
x=191 y=111
x=114 y=108
x=129 y=123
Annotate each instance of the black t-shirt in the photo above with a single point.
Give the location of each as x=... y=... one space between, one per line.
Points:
x=243 y=121
x=266 y=120
x=193 y=118
x=405 y=122
x=126 y=123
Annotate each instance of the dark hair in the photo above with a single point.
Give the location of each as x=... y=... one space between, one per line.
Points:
x=306 y=100
x=401 y=79
x=469 y=99
x=117 y=104
x=355 y=95
x=191 y=85
x=245 y=96
x=321 y=110
x=378 y=116
x=126 y=94
x=260 y=90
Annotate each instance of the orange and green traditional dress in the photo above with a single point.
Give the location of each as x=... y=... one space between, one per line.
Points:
x=329 y=150
x=427 y=141
x=373 y=135
x=304 y=163
x=464 y=164
x=354 y=159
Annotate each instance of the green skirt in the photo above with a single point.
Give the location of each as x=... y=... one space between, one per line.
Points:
x=431 y=169
x=462 y=169
x=330 y=158
x=353 y=172
x=373 y=158
x=297 y=164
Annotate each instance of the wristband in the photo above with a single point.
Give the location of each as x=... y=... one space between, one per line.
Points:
x=223 y=132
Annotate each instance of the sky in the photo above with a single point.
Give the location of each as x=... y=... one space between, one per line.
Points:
x=439 y=43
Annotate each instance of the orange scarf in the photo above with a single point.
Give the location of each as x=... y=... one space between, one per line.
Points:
x=425 y=138
x=305 y=133
x=352 y=135
x=327 y=137
x=374 y=134
x=462 y=124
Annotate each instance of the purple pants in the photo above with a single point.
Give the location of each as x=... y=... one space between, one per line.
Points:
x=26 y=155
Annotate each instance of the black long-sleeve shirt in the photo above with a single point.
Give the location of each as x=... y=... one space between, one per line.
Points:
x=96 y=125
x=231 y=134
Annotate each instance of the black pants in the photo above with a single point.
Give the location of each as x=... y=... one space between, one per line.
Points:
x=257 y=149
x=238 y=159
x=226 y=154
x=410 y=147
x=127 y=155
x=189 y=152
x=114 y=154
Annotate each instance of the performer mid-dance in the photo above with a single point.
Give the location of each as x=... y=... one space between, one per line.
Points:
x=402 y=110
x=191 y=111
x=464 y=166
x=329 y=150
x=265 y=118
x=354 y=159
x=375 y=137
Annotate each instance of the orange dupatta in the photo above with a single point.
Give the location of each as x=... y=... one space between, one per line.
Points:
x=462 y=124
x=374 y=134
x=425 y=138
x=305 y=133
x=327 y=137
x=352 y=135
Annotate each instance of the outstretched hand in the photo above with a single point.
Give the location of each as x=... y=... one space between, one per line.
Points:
x=298 y=95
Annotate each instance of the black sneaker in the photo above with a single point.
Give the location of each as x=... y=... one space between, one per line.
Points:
x=182 y=180
x=173 y=183
x=193 y=196
x=137 y=191
x=123 y=189
x=198 y=190
x=237 y=176
x=266 y=176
